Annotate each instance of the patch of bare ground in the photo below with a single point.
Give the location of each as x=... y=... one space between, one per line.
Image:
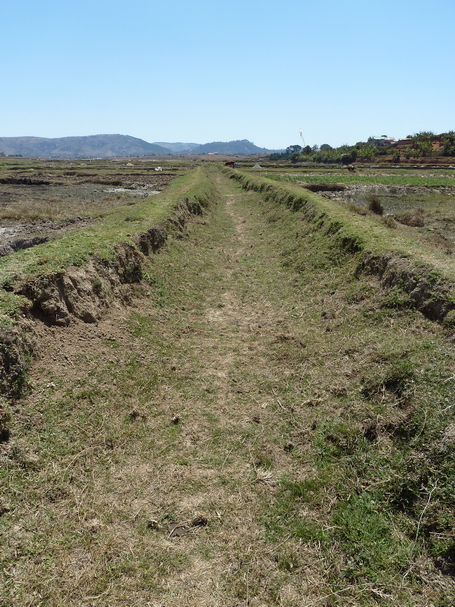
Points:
x=180 y=452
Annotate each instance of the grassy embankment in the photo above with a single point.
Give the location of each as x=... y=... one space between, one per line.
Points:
x=384 y=455
x=269 y=426
x=357 y=232
x=39 y=280
x=99 y=241
x=40 y=190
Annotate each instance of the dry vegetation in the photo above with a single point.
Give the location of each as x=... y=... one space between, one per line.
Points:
x=41 y=199
x=416 y=197
x=265 y=425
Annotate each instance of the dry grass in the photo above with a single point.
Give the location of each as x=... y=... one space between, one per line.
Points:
x=54 y=193
x=224 y=441
x=414 y=218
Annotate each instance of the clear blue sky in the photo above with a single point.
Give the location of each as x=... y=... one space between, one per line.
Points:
x=206 y=71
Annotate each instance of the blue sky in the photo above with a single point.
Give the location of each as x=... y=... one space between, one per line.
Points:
x=205 y=71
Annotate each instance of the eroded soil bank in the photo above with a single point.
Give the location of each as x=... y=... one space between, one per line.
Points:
x=259 y=426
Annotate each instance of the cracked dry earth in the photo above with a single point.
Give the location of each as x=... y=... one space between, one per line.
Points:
x=153 y=442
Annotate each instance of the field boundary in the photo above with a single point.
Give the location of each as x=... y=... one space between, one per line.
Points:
x=425 y=286
x=86 y=291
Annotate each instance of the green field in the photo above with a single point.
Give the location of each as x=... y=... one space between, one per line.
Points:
x=403 y=177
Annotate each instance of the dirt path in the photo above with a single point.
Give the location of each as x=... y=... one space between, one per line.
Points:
x=155 y=446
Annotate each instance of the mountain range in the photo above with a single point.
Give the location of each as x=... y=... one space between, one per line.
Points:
x=111 y=146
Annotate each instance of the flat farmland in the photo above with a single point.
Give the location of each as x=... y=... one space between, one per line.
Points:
x=41 y=199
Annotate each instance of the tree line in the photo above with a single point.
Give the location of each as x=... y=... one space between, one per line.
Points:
x=423 y=144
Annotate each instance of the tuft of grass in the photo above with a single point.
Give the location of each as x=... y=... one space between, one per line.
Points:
x=372 y=551
x=414 y=218
x=374 y=205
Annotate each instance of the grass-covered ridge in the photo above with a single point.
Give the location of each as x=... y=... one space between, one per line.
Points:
x=98 y=241
x=404 y=259
x=264 y=427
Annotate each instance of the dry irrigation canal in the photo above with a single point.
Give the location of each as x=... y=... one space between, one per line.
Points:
x=259 y=414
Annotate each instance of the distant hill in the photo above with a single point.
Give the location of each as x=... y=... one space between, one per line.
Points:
x=91 y=146
x=111 y=146
x=177 y=148
x=229 y=147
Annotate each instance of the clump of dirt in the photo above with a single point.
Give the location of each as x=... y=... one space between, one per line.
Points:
x=23 y=181
x=152 y=240
x=325 y=187
x=5 y=420
x=16 y=347
x=83 y=292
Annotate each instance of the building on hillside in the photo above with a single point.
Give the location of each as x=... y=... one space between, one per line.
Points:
x=381 y=140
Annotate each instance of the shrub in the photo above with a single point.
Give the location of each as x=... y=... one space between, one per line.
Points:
x=374 y=204
x=449 y=144
x=389 y=221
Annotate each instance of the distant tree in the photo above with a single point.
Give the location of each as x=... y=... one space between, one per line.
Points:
x=382 y=150
x=422 y=144
x=427 y=136
x=349 y=156
x=325 y=147
x=367 y=153
x=293 y=149
x=448 y=145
